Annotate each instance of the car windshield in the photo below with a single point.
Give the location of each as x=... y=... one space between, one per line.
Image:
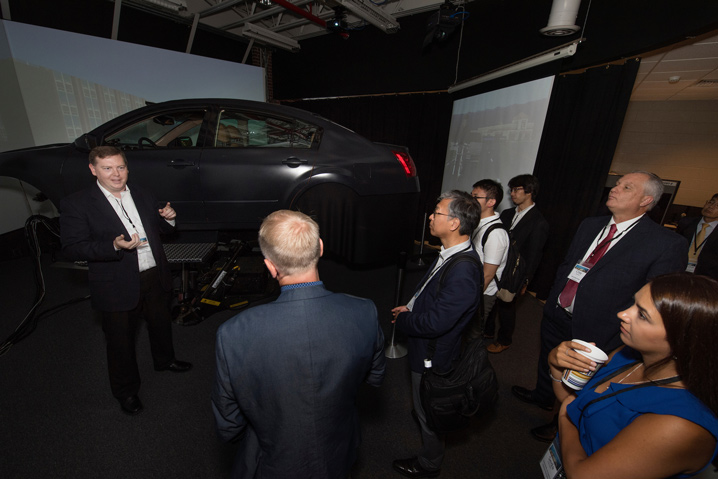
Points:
x=173 y=129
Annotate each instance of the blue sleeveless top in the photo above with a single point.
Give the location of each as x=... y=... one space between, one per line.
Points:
x=603 y=420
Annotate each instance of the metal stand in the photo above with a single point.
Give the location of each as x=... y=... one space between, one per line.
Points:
x=420 y=261
x=394 y=350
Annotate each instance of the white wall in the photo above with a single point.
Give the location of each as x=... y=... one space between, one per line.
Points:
x=677 y=140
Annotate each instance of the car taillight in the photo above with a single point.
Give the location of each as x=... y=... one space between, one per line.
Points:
x=406 y=162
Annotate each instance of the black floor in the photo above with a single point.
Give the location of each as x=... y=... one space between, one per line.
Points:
x=58 y=418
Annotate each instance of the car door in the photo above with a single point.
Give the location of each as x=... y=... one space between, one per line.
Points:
x=257 y=162
x=163 y=154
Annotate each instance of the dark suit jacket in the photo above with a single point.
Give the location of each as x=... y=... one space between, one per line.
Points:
x=647 y=250
x=442 y=315
x=708 y=257
x=88 y=226
x=530 y=234
x=287 y=379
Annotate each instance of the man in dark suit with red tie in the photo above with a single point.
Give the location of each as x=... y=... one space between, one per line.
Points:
x=610 y=258
x=116 y=229
x=703 y=247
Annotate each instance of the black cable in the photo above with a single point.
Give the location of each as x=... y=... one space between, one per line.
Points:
x=29 y=323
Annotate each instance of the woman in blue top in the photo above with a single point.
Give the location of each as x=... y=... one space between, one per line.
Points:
x=650 y=411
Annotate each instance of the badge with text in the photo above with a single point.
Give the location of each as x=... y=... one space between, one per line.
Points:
x=578 y=272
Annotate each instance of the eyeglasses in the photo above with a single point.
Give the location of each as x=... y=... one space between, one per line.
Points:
x=515 y=189
x=444 y=214
x=480 y=197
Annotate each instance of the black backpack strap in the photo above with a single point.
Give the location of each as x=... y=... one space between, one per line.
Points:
x=493 y=227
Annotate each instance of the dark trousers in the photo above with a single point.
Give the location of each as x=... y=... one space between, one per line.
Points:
x=120 y=330
x=432 y=444
x=555 y=328
x=506 y=313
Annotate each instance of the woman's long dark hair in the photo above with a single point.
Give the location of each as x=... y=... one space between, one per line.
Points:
x=688 y=305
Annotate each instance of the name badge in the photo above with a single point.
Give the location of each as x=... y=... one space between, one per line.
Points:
x=578 y=272
x=691 y=268
x=551 y=465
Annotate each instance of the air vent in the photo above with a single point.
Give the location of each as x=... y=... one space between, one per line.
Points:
x=707 y=83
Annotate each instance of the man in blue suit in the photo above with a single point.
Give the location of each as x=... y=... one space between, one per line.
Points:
x=439 y=313
x=610 y=258
x=288 y=372
x=116 y=229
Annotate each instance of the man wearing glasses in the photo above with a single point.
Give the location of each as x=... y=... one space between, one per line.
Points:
x=116 y=229
x=528 y=227
x=491 y=241
x=703 y=248
x=440 y=312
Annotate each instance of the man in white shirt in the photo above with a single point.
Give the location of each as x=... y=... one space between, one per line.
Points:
x=493 y=251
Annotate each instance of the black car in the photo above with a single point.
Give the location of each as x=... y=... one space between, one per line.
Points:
x=226 y=164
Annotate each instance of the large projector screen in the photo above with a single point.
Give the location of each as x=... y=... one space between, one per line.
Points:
x=496 y=135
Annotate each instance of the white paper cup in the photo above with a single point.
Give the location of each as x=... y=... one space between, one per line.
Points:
x=578 y=379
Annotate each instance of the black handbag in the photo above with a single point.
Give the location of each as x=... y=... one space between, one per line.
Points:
x=450 y=400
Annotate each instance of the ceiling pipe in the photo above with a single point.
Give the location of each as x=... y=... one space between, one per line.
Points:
x=302 y=12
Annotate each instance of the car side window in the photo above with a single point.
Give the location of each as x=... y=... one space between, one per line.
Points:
x=179 y=129
x=249 y=129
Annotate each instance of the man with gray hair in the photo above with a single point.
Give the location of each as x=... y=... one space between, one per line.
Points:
x=439 y=312
x=610 y=258
x=288 y=372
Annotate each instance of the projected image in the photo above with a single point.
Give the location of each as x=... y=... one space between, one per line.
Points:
x=496 y=135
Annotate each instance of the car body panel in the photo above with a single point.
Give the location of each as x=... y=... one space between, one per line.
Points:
x=226 y=164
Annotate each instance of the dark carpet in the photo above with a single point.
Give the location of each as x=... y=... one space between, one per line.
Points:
x=58 y=418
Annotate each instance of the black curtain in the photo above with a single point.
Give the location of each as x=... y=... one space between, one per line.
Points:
x=582 y=127
x=419 y=121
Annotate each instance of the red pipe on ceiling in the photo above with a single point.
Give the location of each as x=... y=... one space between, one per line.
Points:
x=304 y=13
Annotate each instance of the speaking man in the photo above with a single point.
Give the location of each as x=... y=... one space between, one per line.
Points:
x=288 y=372
x=440 y=313
x=116 y=229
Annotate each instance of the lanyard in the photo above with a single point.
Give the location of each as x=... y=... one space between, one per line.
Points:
x=127 y=216
x=609 y=240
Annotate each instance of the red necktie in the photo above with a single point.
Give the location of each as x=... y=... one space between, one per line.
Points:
x=569 y=291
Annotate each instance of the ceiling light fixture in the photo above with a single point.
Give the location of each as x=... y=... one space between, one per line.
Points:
x=531 y=62
x=371 y=14
x=268 y=37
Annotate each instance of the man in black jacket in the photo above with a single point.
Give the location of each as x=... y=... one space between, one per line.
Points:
x=116 y=229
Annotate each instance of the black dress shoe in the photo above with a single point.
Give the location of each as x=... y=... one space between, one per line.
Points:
x=131 y=405
x=527 y=395
x=545 y=433
x=176 y=366
x=411 y=468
